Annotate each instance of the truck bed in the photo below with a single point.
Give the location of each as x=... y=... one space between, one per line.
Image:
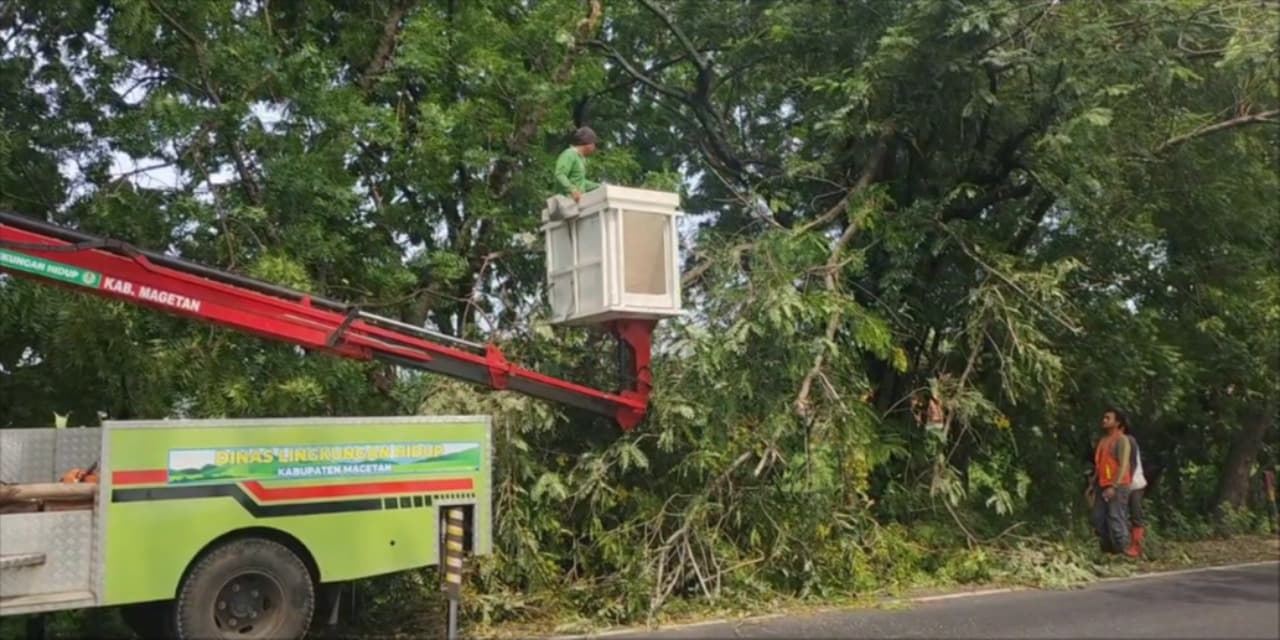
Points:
x=46 y=559
x=48 y=553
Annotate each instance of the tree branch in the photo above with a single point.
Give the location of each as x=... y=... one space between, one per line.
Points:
x=713 y=146
x=500 y=178
x=869 y=172
x=670 y=23
x=833 y=321
x=386 y=46
x=1026 y=232
x=640 y=75
x=177 y=26
x=138 y=170
x=717 y=147
x=1002 y=193
x=1022 y=29
x=1057 y=317
x=697 y=272
x=252 y=190
x=1264 y=117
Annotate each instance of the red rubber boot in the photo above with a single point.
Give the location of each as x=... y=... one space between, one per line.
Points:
x=1135 y=546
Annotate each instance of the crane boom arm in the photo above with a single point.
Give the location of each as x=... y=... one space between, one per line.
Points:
x=112 y=269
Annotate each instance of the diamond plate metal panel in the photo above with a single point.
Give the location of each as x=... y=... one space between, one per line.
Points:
x=76 y=449
x=97 y=569
x=97 y=553
x=66 y=539
x=26 y=455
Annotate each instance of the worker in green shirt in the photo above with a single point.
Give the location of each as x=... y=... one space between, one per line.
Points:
x=571 y=166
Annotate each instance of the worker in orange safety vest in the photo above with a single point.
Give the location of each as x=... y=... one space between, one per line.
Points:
x=1112 y=476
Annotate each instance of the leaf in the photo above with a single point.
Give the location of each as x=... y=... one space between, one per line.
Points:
x=900 y=359
x=550 y=486
x=1098 y=116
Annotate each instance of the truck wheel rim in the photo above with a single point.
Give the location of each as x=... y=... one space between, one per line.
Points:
x=249 y=604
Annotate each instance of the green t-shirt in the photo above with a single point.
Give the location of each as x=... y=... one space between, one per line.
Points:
x=571 y=173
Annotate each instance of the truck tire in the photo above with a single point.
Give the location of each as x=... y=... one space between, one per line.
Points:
x=246 y=588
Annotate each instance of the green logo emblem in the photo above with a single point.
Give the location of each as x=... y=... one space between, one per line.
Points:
x=89 y=278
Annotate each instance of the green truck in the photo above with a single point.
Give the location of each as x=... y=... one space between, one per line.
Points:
x=230 y=528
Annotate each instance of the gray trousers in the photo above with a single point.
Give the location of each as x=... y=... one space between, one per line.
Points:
x=1137 y=517
x=1111 y=520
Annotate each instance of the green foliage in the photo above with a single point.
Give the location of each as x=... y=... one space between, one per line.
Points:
x=1026 y=210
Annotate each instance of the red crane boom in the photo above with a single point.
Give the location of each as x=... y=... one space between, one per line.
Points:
x=55 y=255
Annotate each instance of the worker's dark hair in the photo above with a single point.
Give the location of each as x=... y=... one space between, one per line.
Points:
x=1120 y=417
x=584 y=135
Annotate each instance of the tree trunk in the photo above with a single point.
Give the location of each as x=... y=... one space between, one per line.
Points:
x=1234 y=485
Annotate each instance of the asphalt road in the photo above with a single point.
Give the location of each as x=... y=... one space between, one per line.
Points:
x=1239 y=602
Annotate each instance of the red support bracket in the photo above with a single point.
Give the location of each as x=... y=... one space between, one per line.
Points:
x=498 y=367
x=637 y=336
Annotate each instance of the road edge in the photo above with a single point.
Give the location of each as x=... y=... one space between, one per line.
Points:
x=958 y=595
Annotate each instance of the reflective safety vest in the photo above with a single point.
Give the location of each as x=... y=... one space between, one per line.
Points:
x=1111 y=461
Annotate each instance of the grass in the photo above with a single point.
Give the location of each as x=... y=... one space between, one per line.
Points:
x=1207 y=553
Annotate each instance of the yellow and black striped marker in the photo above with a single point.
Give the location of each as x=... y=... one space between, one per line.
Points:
x=454 y=531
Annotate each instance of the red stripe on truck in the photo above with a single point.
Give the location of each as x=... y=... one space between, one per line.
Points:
x=271 y=494
x=141 y=476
